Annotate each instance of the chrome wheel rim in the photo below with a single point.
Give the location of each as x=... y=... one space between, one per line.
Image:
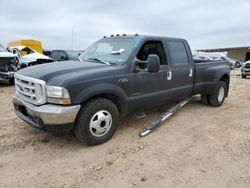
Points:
x=221 y=94
x=100 y=123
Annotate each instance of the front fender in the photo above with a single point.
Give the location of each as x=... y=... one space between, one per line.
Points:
x=104 y=88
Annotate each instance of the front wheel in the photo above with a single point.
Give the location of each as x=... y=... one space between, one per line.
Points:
x=97 y=121
x=243 y=76
x=219 y=94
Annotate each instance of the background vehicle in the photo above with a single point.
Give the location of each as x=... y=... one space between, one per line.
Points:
x=245 y=69
x=8 y=65
x=115 y=77
x=57 y=55
x=237 y=64
x=61 y=55
x=201 y=60
x=74 y=54
x=29 y=57
x=33 y=44
x=218 y=57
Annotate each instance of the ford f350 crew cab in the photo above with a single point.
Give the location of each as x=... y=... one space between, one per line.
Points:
x=114 y=77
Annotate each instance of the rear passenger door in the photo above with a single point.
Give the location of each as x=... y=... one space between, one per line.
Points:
x=181 y=68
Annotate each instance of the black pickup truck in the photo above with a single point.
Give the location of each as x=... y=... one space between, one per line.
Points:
x=114 y=77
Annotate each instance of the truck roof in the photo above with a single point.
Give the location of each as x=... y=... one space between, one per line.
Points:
x=153 y=37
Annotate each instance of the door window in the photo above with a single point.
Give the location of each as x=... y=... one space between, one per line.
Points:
x=55 y=55
x=178 y=52
x=63 y=56
x=152 y=47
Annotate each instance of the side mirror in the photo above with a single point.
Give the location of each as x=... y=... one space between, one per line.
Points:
x=153 y=63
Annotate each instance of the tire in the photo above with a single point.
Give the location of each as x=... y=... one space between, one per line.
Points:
x=243 y=76
x=219 y=94
x=205 y=99
x=12 y=81
x=97 y=121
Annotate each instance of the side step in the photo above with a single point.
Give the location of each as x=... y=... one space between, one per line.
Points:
x=163 y=117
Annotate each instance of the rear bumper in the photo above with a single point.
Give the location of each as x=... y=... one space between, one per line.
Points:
x=45 y=116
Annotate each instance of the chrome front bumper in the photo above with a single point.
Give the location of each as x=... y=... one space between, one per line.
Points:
x=48 y=114
x=245 y=71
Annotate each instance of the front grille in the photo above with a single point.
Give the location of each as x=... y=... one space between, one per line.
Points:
x=6 y=59
x=247 y=65
x=30 y=89
x=5 y=63
x=4 y=67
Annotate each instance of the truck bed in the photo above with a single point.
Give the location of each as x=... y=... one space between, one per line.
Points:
x=207 y=73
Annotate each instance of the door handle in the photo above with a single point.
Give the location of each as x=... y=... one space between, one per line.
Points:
x=190 y=72
x=169 y=75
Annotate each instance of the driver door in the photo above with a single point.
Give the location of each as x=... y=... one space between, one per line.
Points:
x=146 y=88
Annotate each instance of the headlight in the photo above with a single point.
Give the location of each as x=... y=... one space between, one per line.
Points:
x=57 y=95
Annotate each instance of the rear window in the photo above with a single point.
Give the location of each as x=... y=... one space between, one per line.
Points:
x=178 y=52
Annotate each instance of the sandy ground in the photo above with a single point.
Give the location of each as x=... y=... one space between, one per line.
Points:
x=200 y=146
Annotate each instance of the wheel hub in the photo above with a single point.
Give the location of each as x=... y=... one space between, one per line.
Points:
x=100 y=123
x=221 y=94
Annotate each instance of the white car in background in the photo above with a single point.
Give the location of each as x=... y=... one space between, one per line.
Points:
x=8 y=65
x=29 y=57
x=245 y=69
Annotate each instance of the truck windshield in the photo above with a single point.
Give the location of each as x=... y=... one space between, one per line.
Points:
x=111 y=50
x=2 y=49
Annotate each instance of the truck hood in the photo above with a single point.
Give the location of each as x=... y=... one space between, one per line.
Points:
x=61 y=73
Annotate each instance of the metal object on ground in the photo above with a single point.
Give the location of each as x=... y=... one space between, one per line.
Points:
x=163 y=117
x=140 y=115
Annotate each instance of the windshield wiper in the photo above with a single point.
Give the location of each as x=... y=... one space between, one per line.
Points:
x=99 y=60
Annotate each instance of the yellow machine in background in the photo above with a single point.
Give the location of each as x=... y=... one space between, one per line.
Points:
x=33 y=44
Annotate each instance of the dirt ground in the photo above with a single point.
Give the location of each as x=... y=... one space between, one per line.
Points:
x=200 y=146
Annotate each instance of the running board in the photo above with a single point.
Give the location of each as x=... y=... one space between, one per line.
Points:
x=163 y=117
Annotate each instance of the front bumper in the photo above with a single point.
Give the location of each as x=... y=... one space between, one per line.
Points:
x=6 y=75
x=245 y=72
x=45 y=116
